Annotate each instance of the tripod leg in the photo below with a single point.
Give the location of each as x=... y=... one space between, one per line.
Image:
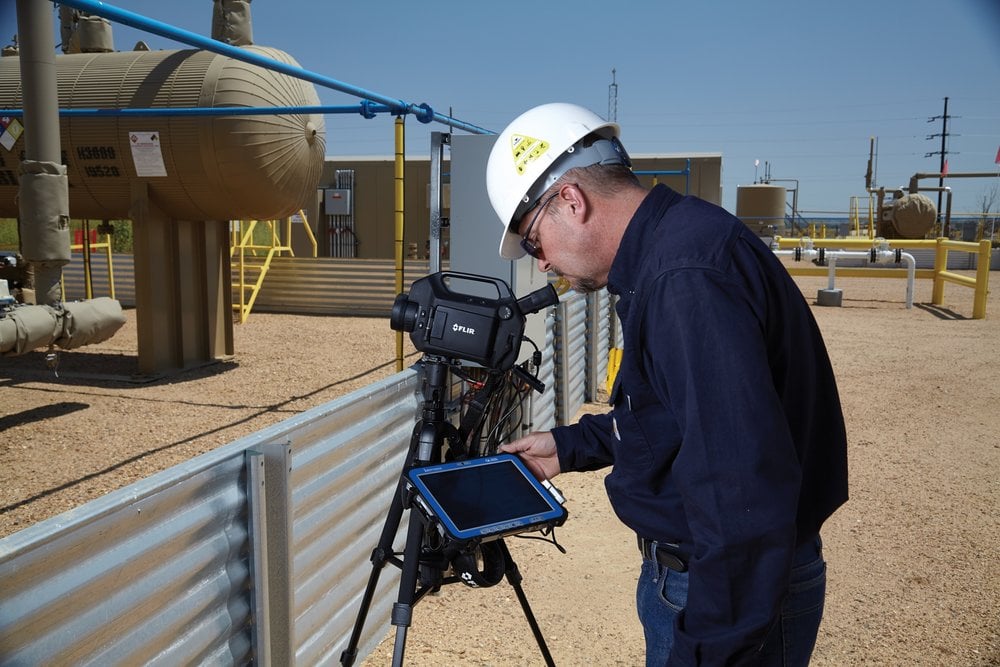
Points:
x=514 y=578
x=380 y=556
x=402 y=611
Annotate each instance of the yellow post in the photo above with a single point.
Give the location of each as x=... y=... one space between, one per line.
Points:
x=614 y=363
x=982 y=281
x=400 y=163
x=940 y=266
x=871 y=218
x=309 y=232
x=88 y=285
x=111 y=269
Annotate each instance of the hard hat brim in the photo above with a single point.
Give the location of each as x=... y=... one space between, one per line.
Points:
x=510 y=246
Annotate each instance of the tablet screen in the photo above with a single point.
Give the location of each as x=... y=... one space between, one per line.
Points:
x=486 y=496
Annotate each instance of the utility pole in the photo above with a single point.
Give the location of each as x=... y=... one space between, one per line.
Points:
x=943 y=167
x=613 y=99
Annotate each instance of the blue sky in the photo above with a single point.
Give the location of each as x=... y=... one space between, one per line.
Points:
x=801 y=86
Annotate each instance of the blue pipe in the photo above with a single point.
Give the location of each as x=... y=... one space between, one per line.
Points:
x=423 y=112
x=685 y=172
x=366 y=110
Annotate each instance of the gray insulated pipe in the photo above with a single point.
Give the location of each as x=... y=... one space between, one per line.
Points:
x=231 y=22
x=68 y=326
x=43 y=198
x=43 y=207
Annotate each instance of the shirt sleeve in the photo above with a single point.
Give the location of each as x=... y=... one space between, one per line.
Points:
x=705 y=347
x=585 y=445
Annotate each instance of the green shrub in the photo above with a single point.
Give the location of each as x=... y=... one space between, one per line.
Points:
x=121 y=236
x=8 y=234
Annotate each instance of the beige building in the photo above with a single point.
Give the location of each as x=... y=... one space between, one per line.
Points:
x=355 y=208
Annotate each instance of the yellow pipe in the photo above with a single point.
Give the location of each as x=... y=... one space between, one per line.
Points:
x=957 y=278
x=940 y=266
x=400 y=163
x=111 y=270
x=967 y=246
x=858 y=272
x=871 y=218
x=982 y=280
x=88 y=286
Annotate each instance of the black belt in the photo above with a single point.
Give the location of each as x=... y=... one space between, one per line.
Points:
x=666 y=554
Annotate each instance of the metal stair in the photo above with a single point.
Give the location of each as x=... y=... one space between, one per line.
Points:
x=252 y=259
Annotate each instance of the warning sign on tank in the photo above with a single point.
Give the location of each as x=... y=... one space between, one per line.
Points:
x=10 y=131
x=146 y=154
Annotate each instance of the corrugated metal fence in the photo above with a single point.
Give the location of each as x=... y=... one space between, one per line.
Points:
x=569 y=353
x=312 y=285
x=258 y=548
x=174 y=569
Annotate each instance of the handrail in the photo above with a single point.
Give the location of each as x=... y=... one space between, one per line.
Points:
x=86 y=249
x=243 y=240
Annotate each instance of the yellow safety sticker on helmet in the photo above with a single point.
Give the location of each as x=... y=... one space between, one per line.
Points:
x=525 y=149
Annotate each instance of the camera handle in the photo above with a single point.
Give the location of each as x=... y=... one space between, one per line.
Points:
x=426 y=446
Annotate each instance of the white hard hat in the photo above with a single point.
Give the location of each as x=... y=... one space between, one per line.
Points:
x=536 y=149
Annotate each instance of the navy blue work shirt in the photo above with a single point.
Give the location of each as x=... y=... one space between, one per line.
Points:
x=726 y=435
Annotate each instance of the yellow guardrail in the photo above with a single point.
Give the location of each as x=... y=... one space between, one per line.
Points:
x=939 y=274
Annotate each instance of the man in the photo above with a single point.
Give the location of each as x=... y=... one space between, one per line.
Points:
x=726 y=435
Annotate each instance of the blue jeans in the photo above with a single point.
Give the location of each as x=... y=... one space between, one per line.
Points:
x=662 y=594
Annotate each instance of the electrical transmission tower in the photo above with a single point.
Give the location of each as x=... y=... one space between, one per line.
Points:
x=943 y=167
x=613 y=99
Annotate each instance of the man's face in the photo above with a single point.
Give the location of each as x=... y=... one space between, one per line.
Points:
x=560 y=243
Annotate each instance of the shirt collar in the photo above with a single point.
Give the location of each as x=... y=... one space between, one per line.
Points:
x=638 y=237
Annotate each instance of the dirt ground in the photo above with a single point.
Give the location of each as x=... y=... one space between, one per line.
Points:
x=914 y=557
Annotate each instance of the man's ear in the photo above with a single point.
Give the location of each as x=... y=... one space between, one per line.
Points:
x=574 y=200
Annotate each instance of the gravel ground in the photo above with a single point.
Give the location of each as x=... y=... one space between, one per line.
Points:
x=913 y=557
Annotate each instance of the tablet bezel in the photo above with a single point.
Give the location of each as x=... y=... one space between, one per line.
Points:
x=553 y=516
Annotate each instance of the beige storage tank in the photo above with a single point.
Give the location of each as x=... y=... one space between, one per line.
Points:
x=761 y=207
x=910 y=216
x=197 y=167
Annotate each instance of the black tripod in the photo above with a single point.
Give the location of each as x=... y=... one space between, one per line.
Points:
x=423 y=563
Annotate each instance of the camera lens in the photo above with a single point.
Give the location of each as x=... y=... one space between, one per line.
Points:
x=404 y=314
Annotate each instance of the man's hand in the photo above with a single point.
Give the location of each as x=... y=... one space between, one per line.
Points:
x=538 y=452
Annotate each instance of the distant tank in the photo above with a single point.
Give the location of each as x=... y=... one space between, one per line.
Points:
x=910 y=216
x=197 y=167
x=761 y=207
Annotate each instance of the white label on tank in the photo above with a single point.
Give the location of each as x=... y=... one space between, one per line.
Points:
x=10 y=130
x=146 y=154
